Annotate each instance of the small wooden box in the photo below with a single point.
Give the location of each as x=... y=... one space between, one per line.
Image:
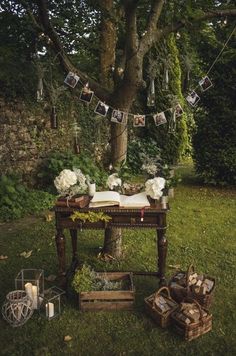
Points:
x=109 y=300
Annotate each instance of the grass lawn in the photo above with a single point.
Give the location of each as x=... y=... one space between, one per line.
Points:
x=201 y=230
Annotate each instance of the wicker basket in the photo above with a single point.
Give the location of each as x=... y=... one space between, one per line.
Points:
x=187 y=291
x=162 y=319
x=195 y=329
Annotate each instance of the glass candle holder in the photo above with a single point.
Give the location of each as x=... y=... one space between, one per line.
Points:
x=32 y=281
x=52 y=302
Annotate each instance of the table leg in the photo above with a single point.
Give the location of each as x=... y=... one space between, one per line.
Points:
x=61 y=251
x=161 y=248
x=73 y=234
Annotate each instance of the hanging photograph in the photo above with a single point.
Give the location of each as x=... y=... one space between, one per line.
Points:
x=160 y=119
x=178 y=110
x=119 y=117
x=71 y=79
x=193 y=98
x=86 y=94
x=139 y=121
x=205 y=83
x=101 y=109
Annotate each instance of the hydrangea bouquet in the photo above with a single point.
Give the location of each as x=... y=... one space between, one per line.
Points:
x=70 y=183
x=154 y=187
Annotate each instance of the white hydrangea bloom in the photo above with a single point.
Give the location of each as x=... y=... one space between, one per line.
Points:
x=65 y=180
x=81 y=179
x=153 y=187
x=113 y=181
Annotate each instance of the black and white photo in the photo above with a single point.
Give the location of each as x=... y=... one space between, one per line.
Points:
x=86 y=94
x=118 y=116
x=205 y=83
x=101 y=109
x=193 y=98
x=71 y=79
x=139 y=120
x=160 y=118
x=178 y=110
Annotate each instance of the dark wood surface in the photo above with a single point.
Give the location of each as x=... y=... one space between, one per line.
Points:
x=153 y=217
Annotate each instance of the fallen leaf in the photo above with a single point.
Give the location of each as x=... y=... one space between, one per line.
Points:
x=174 y=266
x=67 y=338
x=49 y=217
x=2 y=257
x=51 y=278
x=26 y=254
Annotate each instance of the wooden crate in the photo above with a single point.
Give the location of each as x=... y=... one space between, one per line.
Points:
x=109 y=300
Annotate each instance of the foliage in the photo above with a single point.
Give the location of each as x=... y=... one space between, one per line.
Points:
x=16 y=200
x=138 y=150
x=91 y=216
x=86 y=280
x=172 y=178
x=57 y=161
x=214 y=141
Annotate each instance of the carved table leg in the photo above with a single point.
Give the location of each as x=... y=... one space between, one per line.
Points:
x=73 y=234
x=161 y=248
x=61 y=251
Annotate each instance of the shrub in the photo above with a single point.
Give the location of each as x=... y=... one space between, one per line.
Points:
x=16 y=200
x=138 y=149
x=57 y=161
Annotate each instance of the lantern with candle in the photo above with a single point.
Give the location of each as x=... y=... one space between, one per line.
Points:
x=52 y=302
x=32 y=281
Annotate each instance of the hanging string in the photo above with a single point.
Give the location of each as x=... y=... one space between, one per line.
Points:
x=221 y=51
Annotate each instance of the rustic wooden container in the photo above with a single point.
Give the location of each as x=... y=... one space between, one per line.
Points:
x=162 y=319
x=109 y=300
x=178 y=294
x=193 y=330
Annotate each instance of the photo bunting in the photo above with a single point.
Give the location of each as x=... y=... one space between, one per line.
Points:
x=193 y=98
x=160 y=119
x=71 y=79
x=101 y=108
x=139 y=120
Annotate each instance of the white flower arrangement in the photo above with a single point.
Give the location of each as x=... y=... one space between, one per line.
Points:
x=70 y=182
x=154 y=187
x=113 y=181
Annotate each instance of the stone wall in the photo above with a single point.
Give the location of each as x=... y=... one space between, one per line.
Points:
x=26 y=137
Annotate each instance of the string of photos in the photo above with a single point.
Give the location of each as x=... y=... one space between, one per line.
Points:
x=121 y=117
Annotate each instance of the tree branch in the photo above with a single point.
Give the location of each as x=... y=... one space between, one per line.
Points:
x=64 y=60
x=187 y=24
x=131 y=27
x=151 y=28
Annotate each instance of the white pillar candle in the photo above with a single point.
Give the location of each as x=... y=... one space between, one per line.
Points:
x=49 y=310
x=35 y=297
x=28 y=289
x=91 y=189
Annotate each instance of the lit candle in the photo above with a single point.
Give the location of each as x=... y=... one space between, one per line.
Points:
x=49 y=310
x=35 y=297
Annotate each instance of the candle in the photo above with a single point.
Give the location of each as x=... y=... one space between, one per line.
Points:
x=91 y=189
x=28 y=289
x=49 y=310
x=35 y=297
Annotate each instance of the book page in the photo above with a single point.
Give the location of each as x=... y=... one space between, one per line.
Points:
x=139 y=200
x=106 y=198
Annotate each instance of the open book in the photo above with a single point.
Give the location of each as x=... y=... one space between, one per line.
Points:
x=109 y=198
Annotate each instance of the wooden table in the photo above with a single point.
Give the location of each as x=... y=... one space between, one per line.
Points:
x=154 y=217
